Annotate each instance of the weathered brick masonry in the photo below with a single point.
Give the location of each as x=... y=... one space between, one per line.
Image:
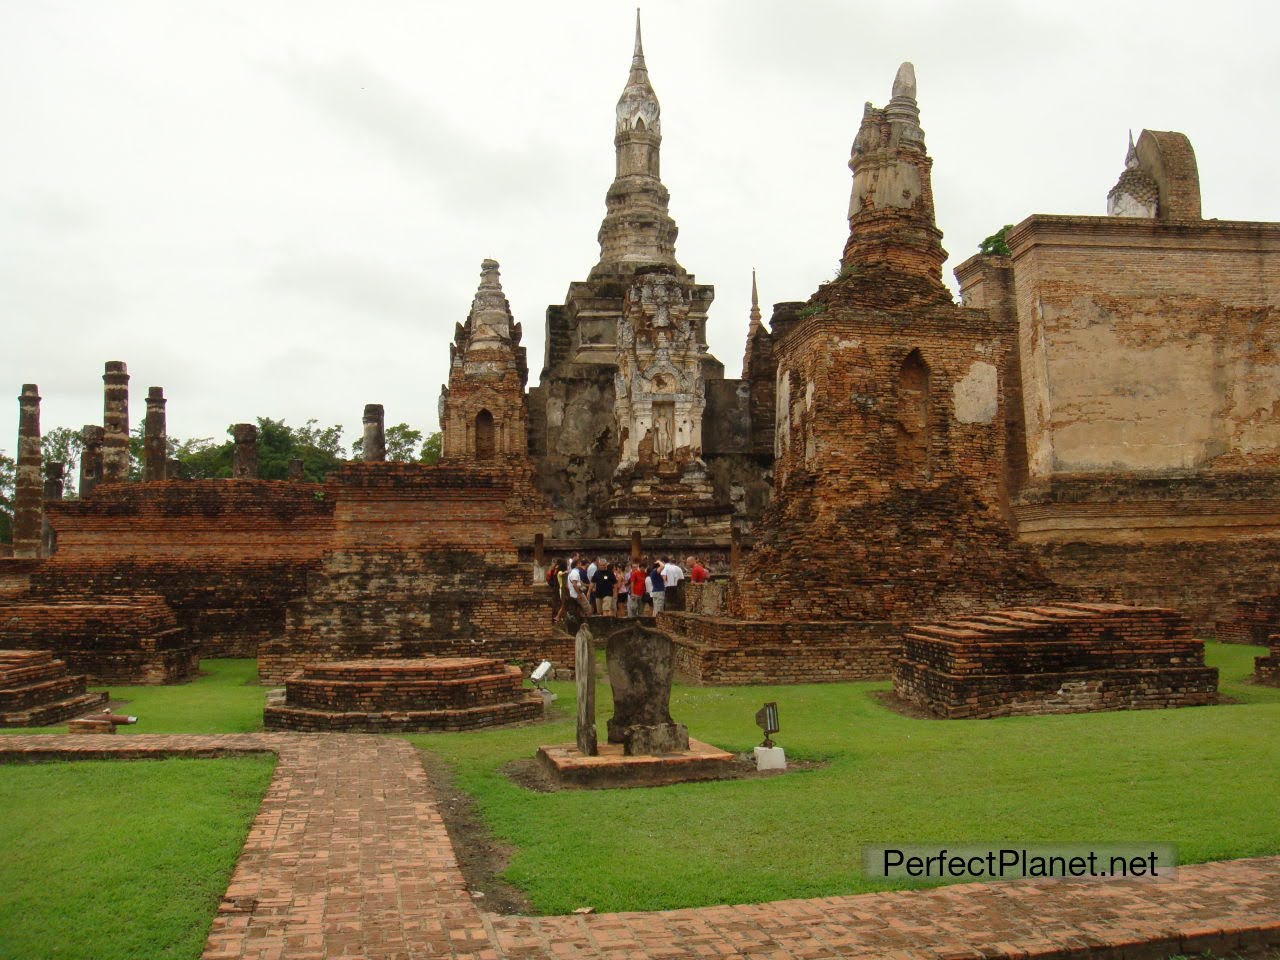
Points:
x=225 y=554
x=1253 y=620
x=424 y=564
x=1267 y=669
x=381 y=696
x=116 y=639
x=1149 y=369
x=1066 y=658
x=36 y=690
x=889 y=480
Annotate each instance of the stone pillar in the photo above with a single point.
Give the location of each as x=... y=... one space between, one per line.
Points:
x=373 y=448
x=173 y=469
x=155 y=438
x=636 y=545
x=244 y=462
x=735 y=547
x=53 y=490
x=28 y=514
x=115 y=422
x=90 y=458
x=295 y=469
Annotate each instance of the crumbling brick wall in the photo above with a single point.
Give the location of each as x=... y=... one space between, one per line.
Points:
x=889 y=468
x=227 y=555
x=424 y=563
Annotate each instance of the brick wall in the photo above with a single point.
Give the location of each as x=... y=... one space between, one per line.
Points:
x=424 y=564
x=1148 y=345
x=719 y=650
x=227 y=555
x=1197 y=543
x=119 y=639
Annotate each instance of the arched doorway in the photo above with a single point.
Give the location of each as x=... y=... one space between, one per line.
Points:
x=913 y=414
x=484 y=435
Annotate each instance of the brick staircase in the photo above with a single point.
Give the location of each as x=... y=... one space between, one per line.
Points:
x=37 y=691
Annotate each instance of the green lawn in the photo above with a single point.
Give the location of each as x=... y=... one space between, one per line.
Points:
x=1202 y=778
x=120 y=859
x=224 y=698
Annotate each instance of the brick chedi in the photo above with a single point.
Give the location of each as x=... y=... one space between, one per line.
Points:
x=588 y=416
x=888 y=439
x=28 y=516
x=889 y=447
x=383 y=696
x=483 y=412
x=661 y=484
x=37 y=691
x=1065 y=658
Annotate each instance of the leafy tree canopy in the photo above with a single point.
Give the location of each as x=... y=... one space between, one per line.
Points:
x=994 y=245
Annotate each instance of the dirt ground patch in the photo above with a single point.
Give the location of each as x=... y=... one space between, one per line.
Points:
x=480 y=857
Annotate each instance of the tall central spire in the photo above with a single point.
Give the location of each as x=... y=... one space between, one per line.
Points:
x=637 y=230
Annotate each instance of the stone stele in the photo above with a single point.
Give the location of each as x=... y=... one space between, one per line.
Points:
x=584 y=671
x=641 y=666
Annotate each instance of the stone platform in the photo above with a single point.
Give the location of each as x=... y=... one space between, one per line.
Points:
x=1065 y=658
x=379 y=696
x=611 y=768
x=131 y=639
x=37 y=691
x=1266 y=670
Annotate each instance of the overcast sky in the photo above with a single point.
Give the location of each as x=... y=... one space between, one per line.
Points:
x=279 y=209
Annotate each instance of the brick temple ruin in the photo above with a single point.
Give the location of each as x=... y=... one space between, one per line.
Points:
x=1096 y=421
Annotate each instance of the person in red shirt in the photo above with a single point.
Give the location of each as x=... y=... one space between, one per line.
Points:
x=697 y=572
x=635 y=596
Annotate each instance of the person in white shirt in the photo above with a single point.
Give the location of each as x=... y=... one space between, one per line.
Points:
x=671 y=574
x=578 y=587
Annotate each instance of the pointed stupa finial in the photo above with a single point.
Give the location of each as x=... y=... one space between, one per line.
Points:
x=755 y=303
x=1131 y=157
x=490 y=317
x=638 y=106
x=904 y=84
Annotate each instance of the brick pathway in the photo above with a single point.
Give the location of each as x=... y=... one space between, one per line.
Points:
x=348 y=858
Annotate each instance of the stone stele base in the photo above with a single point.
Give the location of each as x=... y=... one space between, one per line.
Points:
x=611 y=768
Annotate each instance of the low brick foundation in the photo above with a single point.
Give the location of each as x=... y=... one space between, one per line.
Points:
x=126 y=640
x=1266 y=670
x=719 y=650
x=1253 y=620
x=1067 y=658
x=380 y=696
x=37 y=691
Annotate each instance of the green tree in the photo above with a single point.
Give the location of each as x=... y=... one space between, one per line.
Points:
x=995 y=244
x=8 y=476
x=431 y=448
x=64 y=445
x=401 y=441
x=319 y=449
